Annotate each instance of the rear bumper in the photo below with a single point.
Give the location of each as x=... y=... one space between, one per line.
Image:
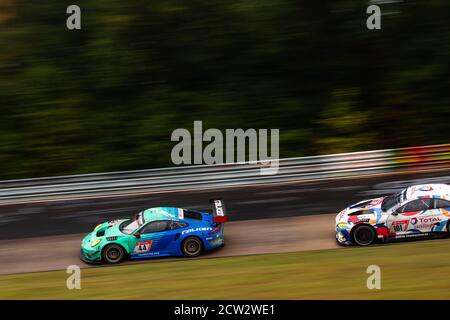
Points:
x=215 y=240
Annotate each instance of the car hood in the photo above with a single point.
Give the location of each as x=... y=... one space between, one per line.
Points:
x=110 y=228
x=366 y=209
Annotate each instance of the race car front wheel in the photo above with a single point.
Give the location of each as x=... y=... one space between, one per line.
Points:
x=192 y=247
x=364 y=235
x=113 y=253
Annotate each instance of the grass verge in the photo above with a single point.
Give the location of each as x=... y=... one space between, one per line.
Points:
x=418 y=270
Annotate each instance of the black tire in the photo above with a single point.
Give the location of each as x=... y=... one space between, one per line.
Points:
x=363 y=235
x=448 y=228
x=113 y=253
x=192 y=247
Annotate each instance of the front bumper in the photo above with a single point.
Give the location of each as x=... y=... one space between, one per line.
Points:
x=88 y=253
x=86 y=259
x=343 y=236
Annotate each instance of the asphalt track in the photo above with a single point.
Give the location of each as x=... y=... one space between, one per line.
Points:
x=264 y=219
x=242 y=238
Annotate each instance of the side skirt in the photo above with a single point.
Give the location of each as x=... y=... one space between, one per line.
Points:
x=412 y=236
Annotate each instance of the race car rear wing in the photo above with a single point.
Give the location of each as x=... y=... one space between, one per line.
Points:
x=219 y=212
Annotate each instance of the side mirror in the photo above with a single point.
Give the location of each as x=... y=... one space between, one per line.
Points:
x=137 y=235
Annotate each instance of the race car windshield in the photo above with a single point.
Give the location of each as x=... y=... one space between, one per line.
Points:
x=391 y=201
x=130 y=227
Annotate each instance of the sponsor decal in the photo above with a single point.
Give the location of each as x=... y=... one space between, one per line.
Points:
x=196 y=229
x=219 y=207
x=95 y=242
x=143 y=246
x=352 y=219
x=359 y=218
x=412 y=235
x=156 y=253
x=342 y=225
x=426 y=188
x=180 y=213
x=146 y=254
x=430 y=220
x=422 y=223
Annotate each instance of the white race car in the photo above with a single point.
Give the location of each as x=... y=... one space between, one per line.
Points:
x=417 y=211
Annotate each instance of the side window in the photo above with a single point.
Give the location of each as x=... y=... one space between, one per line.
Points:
x=441 y=203
x=155 y=226
x=188 y=214
x=177 y=225
x=401 y=209
x=416 y=205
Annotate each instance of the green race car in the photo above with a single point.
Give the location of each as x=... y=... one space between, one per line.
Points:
x=156 y=232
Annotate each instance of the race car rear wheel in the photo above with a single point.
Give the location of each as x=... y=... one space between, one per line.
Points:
x=363 y=235
x=192 y=247
x=113 y=253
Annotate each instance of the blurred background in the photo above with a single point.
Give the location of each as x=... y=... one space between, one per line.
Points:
x=107 y=97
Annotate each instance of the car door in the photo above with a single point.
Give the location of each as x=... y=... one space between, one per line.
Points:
x=173 y=235
x=441 y=214
x=150 y=240
x=413 y=217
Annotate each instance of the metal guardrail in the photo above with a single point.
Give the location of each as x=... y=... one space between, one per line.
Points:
x=225 y=175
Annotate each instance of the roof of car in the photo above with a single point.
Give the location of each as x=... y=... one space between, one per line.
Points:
x=422 y=190
x=169 y=213
x=162 y=213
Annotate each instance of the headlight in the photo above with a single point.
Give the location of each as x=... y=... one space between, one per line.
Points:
x=97 y=226
x=96 y=242
x=342 y=225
